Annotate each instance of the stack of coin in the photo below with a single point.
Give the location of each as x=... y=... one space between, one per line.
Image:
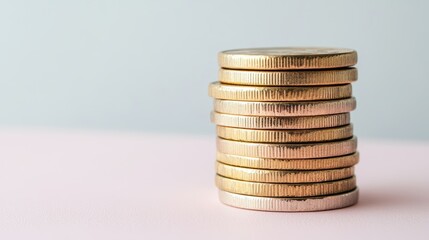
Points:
x=285 y=142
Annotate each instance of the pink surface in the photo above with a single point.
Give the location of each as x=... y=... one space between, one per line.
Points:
x=93 y=185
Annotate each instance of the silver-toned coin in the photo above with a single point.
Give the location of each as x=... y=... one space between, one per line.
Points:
x=307 y=204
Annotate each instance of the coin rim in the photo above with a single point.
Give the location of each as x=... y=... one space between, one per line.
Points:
x=279 y=93
x=278 y=163
x=285 y=136
x=285 y=189
x=288 y=150
x=288 y=78
x=270 y=122
x=285 y=109
x=282 y=176
x=309 y=204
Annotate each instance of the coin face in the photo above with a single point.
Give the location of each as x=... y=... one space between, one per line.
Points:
x=290 y=51
x=287 y=58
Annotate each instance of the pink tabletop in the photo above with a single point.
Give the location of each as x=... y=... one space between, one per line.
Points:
x=106 y=185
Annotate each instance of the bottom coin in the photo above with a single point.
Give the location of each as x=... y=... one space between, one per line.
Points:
x=308 y=204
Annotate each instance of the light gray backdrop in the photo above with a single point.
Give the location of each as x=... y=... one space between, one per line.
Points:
x=145 y=65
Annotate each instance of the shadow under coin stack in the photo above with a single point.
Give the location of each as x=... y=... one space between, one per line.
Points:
x=285 y=142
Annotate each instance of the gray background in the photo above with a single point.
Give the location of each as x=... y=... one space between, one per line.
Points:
x=145 y=65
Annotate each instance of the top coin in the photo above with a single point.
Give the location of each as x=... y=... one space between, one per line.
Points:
x=287 y=58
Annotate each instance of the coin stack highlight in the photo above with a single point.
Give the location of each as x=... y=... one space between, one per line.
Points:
x=285 y=142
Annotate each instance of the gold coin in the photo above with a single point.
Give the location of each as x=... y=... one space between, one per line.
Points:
x=285 y=189
x=288 y=78
x=252 y=93
x=289 y=164
x=261 y=122
x=278 y=204
x=282 y=176
x=285 y=136
x=286 y=58
x=288 y=150
x=310 y=108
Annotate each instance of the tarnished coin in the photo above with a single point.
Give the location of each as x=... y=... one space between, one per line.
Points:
x=285 y=136
x=288 y=150
x=286 y=58
x=282 y=176
x=274 y=94
x=264 y=122
x=277 y=204
x=289 y=164
x=285 y=189
x=285 y=109
x=288 y=78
